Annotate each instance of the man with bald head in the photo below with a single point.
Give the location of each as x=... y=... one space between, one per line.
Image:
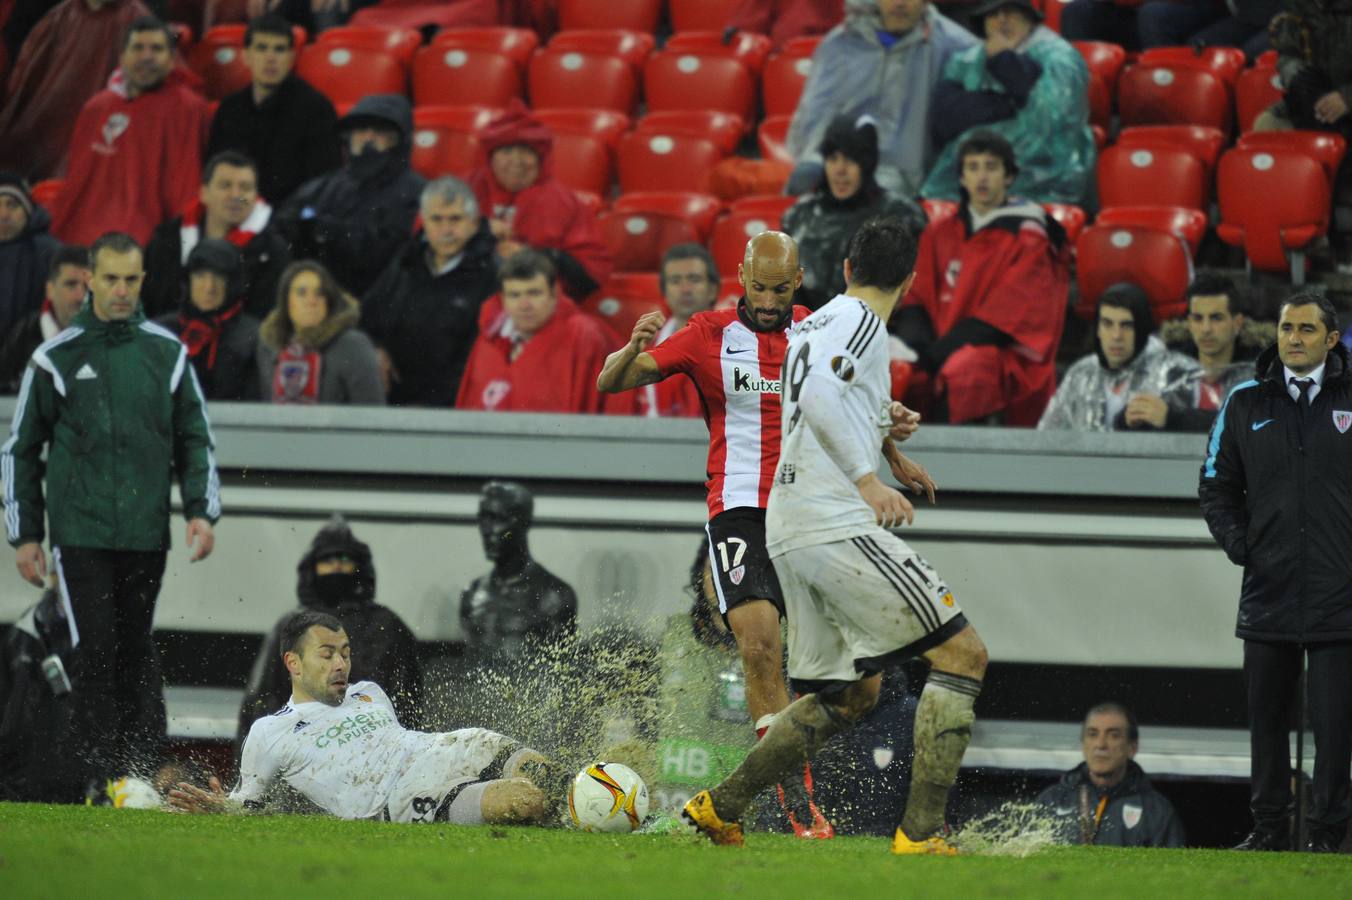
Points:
x=734 y=357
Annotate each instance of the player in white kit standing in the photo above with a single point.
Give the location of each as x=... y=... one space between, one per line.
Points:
x=858 y=598
x=341 y=747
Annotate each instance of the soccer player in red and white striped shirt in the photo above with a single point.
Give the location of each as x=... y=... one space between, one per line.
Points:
x=734 y=357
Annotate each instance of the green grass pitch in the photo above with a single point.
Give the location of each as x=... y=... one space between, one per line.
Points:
x=74 y=853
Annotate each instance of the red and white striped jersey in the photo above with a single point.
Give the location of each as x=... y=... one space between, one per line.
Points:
x=736 y=370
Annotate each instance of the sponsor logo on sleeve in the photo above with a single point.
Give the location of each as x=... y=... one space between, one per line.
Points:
x=843 y=367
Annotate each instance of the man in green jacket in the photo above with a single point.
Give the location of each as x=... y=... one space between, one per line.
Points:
x=116 y=404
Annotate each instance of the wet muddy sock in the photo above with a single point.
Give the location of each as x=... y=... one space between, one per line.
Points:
x=943 y=728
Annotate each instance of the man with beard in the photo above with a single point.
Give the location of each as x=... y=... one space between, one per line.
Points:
x=354 y=219
x=137 y=146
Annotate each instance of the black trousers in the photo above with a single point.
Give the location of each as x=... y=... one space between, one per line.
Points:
x=1272 y=673
x=117 y=702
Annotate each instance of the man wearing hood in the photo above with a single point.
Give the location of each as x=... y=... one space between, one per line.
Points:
x=1107 y=800
x=423 y=311
x=848 y=196
x=1276 y=497
x=1031 y=87
x=46 y=85
x=228 y=208
x=884 y=60
x=988 y=305
x=1104 y=390
x=527 y=207
x=25 y=250
x=65 y=291
x=282 y=123
x=337 y=576
x=355 y=219
x=137 y=146
x=221 y=338
x=119 y=413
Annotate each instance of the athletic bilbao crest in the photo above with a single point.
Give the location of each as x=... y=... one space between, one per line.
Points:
x=882 y=757
x=1342 y=420
x=113 y=128
x=1131 y=814
x=737 y=574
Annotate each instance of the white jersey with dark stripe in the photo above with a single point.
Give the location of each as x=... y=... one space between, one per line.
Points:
x=812 y=501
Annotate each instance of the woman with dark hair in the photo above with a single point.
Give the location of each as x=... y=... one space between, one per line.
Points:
x=309 y=347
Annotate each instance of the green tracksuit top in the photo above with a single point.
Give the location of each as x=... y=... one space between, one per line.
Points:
x=119 y=409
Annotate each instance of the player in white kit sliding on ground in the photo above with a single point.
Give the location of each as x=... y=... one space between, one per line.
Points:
x=858 y=598
x=340 y=746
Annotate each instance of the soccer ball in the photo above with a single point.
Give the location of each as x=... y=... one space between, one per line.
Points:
x=130 y=792
x=608 y=797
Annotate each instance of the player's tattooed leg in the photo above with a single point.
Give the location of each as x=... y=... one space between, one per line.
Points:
x=943 y=728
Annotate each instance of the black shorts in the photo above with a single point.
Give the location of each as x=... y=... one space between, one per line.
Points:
x=741 y=566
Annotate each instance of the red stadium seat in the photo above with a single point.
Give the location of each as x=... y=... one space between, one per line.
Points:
x=456 y=77
x=221 y=66
x=605 y=125
x=783 y=80
x=1201 y=141
x=444 y=138
x=687 y=81
x=569 y=79
x=730 y=290
x=772 y=136
x=1156 y=261
x=1224 y=62
x=1070 y=217
x=232 y=34
x=701 y=15
x=637 y=240
x=724 y=129
x=732 y=231
x=624 y=298
x=1173 y=95
x=183 y=36
x=46 y=191
x=1256 y=90
x=515 y=43
x=666 y=162
x=1051 y=12
x=1104 y=59
x=748 y=48
x=768 y=206
x=1325 y=147
x=699 y=210
x=582 y=162
x=401 y=43
x=1150 y=176
x=346 y=74
x=1100 y=102
x=1189 y=224
x=1274 y=202
x=939 y=209
x=633 y=47
x=636 y=15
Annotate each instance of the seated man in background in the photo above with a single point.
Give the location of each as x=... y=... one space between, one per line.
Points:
x=1031 y=87
x=337 y=577
x=527 y=207
x=1223 y=340
x=66 y=286
x=355 y=219
x=221 y=338
x=137 y=146
x=1312 y=38
x=847 y=196
x=884 y=61
x=1172 y=23
x=690 y=284
x=287 y=127
x=988 y=304
x=227 y=207
x=536 y=351
x=1120 y=384
x=340 y=746
x=25 y=250
x=1107 y=800
x=423 y=311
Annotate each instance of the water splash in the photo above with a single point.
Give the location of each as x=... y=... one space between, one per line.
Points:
x=1011 y=829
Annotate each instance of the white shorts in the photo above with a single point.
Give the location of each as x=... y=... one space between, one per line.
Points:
x=859 y=605
x=441 y=771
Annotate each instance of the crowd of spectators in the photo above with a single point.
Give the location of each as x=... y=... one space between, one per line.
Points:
x=396 y=290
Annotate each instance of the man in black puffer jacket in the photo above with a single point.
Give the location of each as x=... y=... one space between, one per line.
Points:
x=355 y=219
x=1277 y=496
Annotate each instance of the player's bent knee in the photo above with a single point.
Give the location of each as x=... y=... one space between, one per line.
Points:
x=508 y=801
x=962 y=654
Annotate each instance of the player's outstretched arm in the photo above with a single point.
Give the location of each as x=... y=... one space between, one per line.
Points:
x=629 y=367
x=189 y=798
